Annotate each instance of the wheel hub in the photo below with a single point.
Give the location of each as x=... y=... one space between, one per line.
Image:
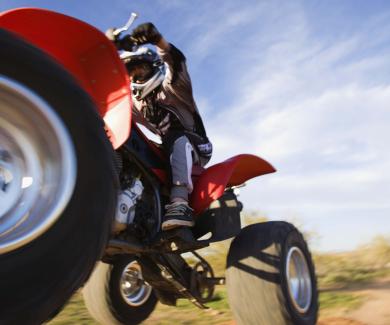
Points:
x=37 y=165
x=8 y=176
x=299 y=279
x=134 y=290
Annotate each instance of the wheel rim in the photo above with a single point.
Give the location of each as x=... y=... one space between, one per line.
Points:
x=299 y=279
x=135 y=291
x=37 y=166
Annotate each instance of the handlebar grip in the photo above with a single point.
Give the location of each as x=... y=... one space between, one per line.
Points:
x=127 y=44
x=121 y=43
x=110 y=34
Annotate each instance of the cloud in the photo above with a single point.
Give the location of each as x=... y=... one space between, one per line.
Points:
x=318 y=109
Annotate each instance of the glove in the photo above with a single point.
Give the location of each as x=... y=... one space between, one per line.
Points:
x=121 y=43
x=146 y=33
x=127 y=43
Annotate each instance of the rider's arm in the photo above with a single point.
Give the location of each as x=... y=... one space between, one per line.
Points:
x=177 y=75
x=174 y=58
x=163 y=44
x=177 y=81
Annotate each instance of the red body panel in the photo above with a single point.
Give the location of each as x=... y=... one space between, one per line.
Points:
x=212 y=182
x=87 y=54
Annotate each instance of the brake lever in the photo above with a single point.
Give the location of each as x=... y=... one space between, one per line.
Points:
x=130 y=22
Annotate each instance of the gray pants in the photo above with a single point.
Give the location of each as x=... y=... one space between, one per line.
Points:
x=181 y=159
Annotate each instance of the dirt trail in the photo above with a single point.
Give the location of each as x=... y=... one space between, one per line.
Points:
x=374 y=311
x=339 y=321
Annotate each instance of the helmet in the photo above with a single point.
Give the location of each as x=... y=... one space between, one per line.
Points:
x=147 y=71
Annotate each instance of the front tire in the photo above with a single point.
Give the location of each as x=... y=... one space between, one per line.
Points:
x=117 y=294
x=58 y=182
x=270 y=276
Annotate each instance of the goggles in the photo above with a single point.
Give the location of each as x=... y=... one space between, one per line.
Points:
x=140 y=73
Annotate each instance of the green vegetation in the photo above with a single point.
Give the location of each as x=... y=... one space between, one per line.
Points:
x=366 y=264
x=74 y=313
x=184 y=313
x=348 y=277
x=348 y=301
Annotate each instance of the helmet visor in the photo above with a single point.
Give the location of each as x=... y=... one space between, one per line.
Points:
x=140 y=73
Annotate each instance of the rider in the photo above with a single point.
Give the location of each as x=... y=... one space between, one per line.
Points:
x=162 y=94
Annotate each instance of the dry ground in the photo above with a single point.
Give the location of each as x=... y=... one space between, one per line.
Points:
x=374 y=311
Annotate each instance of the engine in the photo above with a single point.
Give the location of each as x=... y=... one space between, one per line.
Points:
x=137 y=209
x=126 y=207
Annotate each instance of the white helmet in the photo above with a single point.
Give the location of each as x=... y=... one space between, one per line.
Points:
x=146 y=69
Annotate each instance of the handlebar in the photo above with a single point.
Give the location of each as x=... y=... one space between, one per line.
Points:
x=130 y=22
x=125 y=42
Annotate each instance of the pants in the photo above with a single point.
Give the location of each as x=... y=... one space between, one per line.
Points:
x=181 y=154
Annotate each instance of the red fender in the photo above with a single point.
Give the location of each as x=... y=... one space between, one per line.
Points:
x=232 y=172
x=87 y=54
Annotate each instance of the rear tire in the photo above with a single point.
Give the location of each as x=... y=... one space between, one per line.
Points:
x=270 y=276
x=111 y=299
x=39 y=274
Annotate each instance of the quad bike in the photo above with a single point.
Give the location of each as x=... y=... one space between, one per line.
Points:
x=80 y=182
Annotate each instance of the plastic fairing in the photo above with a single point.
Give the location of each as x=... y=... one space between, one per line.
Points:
x=232 y=172
x=87 y=54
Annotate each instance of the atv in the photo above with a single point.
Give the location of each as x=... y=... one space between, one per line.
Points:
x=82 y=191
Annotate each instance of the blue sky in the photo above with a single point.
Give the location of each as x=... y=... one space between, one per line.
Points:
x=303 y=84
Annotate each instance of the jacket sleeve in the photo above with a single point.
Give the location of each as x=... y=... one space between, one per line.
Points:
x=177 y=80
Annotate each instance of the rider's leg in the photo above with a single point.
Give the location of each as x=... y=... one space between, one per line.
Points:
x=178 y=213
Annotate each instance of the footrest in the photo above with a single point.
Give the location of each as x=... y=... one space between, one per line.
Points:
x=180 y=240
